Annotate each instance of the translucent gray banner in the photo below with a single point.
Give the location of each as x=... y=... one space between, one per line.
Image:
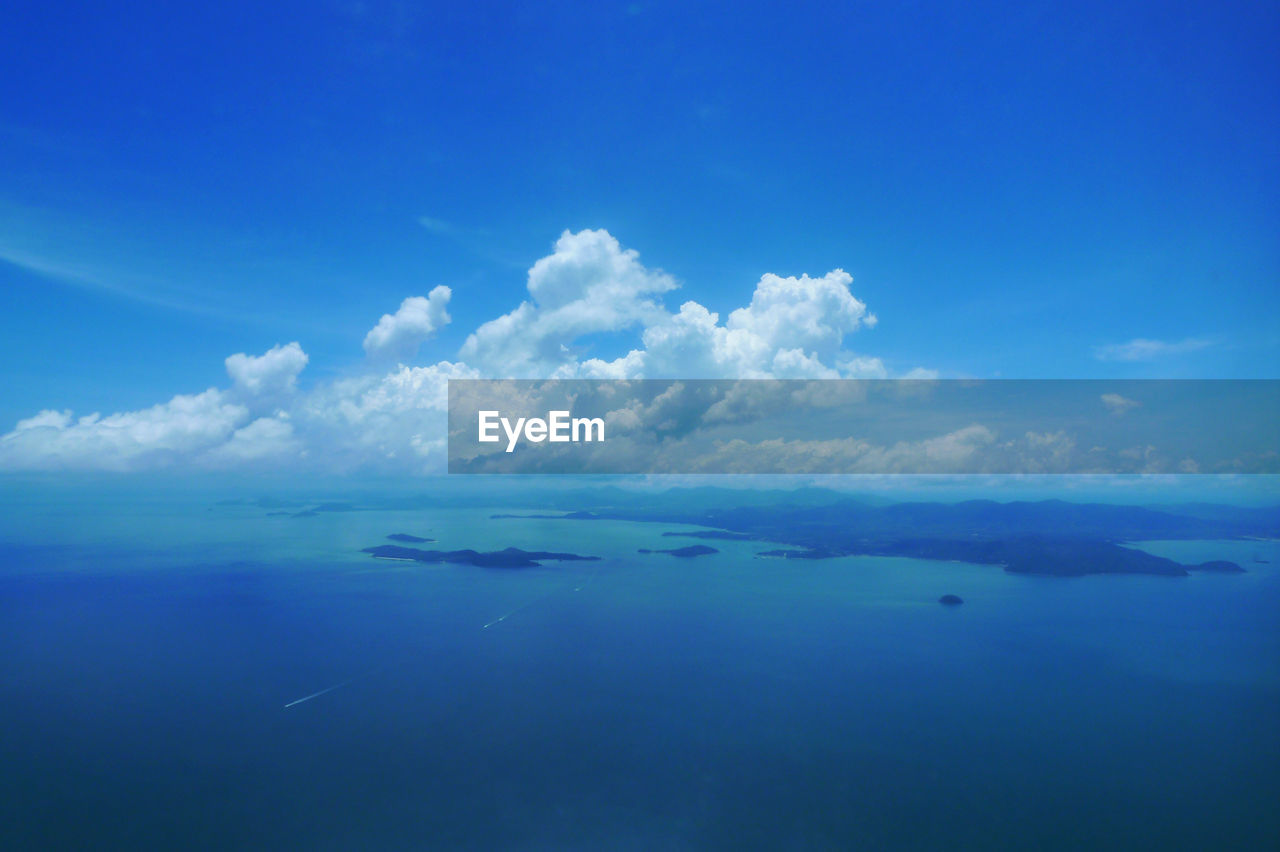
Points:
x=864 y=426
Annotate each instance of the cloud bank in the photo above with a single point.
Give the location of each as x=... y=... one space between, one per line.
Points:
x=241 y=423
x=590 y=288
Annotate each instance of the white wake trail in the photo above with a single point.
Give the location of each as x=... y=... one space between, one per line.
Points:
x=536 y=600
x=497 y=620
x=318 y=694
x=507 y=615
x=329 y=689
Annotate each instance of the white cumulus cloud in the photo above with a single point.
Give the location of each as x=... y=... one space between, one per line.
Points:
x=212 y=426
x=792 y=329
x=273 y=372
x=589 y=284
x=265 y=439
x=589 y=288
x=400 y=334
x=175 y=431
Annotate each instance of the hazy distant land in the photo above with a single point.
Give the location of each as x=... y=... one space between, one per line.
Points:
x=1050 y=537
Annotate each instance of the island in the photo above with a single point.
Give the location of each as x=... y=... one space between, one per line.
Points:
x=511 y=557
x=1054 y=557
x=570 y=516
x=684 y=552
x=315 y=511
x=408 y=539
x=796 y=554
x=1048 y=537
x=1220 y=565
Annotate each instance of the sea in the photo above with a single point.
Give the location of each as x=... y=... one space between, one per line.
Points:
x=180 y=672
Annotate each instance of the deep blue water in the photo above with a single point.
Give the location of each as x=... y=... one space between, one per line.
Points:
x=148 y=647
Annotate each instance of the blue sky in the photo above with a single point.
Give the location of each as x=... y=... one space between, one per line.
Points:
x=1016 y=190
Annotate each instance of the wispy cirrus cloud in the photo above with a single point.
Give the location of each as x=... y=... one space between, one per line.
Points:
x=67 y=250
x=1145 y=349
x=83 y=276
x=73 y=252
x=478 y=241
x=439 y=226
x=129 y=286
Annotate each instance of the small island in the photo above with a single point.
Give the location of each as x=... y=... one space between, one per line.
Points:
x=408 y=539
x=722 y=535
x=511 y=557
x=570 y=516
x=951 y=600
x=684 y=552
x=797 y=554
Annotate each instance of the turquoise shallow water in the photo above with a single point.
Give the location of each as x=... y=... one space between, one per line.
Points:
x=148 y=647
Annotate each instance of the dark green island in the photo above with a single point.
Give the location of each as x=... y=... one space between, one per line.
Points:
x=405 y=538
x=684 y=552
